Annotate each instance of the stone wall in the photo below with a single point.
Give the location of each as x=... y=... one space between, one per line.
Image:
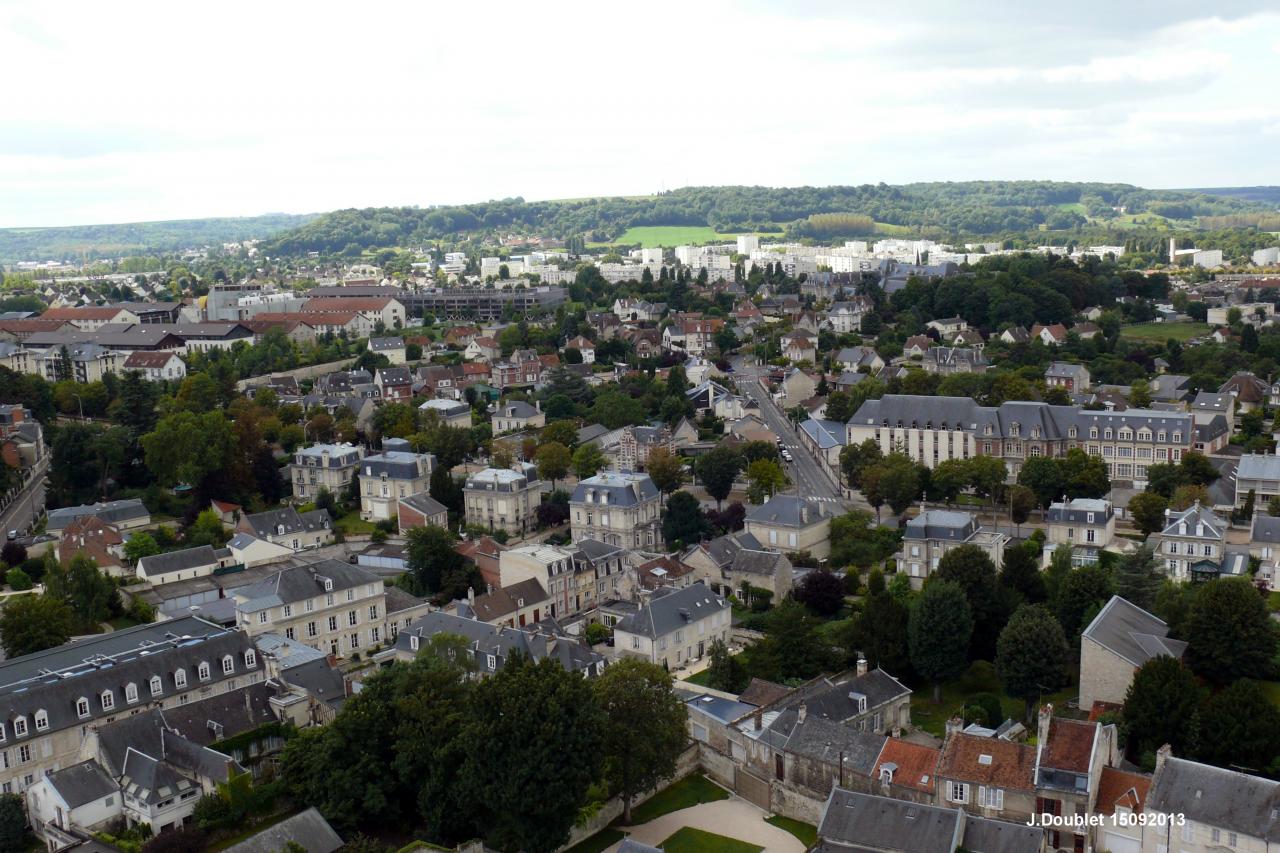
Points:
x=797 y=805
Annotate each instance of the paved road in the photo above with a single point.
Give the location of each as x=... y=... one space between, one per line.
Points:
x=28 y=504
x=804 y=469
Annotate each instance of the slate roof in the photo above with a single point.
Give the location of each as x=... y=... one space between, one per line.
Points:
x=537 y=642
x=151 y=780
x=825 y=433
x=425 y=504
x=621 y=487
x=836 y=698
x=308 y=829
x=1221 y=798
x=1256 y=466
x=722 y=549
x=666 y=610
x=951 y=525
x=82 y=783
x=988 y=761
x=1132 y=633
x=267 y=524
x=762 y=563
x=866 y=822
x=297 y=583
x=786 y=510
x=1001 y=836
x=1077 y=511
x=1194 y=516
x=188 y=558
x=1265 y=529
x=112 y=512
x=516 y=409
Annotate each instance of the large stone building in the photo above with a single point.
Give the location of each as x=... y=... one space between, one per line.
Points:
x=1191 y=543
x=674 y=627
x=323 y=466
x=617 y=509
x=791 y=524
x=928 y=537
x=934 y=429
x=52 y=698
x=1119 y=640
x=502 y=499
x=386 y=477
x=1086 y=524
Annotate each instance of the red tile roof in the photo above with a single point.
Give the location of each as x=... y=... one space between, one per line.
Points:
x=1118 y=788
x=988 y=761
x=916 y=765
x=85 y=312
x=139 y=360
x=1069 y=745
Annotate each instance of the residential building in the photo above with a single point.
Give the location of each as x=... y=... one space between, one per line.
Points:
x=491 y=646
x=96 y=539
x=420 y=510
x=583 y=346
x=987 y=776
x=617 y=508
x=159 y=366
x=289 y=528
x=517 y=415
x=552 y=567
x=1264 y=537
x=798 y=346
x=1069 y=763
x=1191 y=543
x=452 y=413
x=1216 y=809
x=933 y=429
x=931 y=534
x=373 y=310
x=637 y=442
x=674 y=627
x=1072 y=377
x=846 y=317
x=502 y=499
x=1086 y=524
x=1249 y=391
x=791 y=524
x=186 y=564
x=523 y=603
x=945 y=361
x=397 y=472
x=1120 y=800
x=767 y=570
x=393 y=348
x=1259 y=474
x=866 y=822
x=860 y=359
x=308 y=829
x=128 y=514
x=323 y=466
x=1119 y=640
x=52 y=696
x=394 y=384
x=947 y=327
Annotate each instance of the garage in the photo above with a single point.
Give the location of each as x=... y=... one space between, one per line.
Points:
x=1118 y=843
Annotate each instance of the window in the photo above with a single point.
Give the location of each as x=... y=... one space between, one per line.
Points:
x=202 y=672
x=491 y=662
x=108 y=700
x=1215 y=835
x=413 y=643
x=991 y=797
x=228 y=665
x=24 y=753
x=373 y=612
x=157 y=686
x=311 y=629
x=1232 y=839
x=42 y=721
x=250 y=659
x=180 y=678
x=328 y=587
x=328 y=599
x=82 y=707
x=131 y=693
x=351 y=595
x=353 y=619
x=20 y=726
x=333 y=623
x=288 y=633
x=288 y=611
x=355 y=641
x=262 y=618
x=958 y=793
x=311 y=605
x=375 y=635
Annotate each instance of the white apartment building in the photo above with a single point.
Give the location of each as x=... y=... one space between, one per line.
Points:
x=323 y=466
x=1086 y=524
x=549 y=565
x=502 y=499
x=386 y=477
x=931 y=534
x=617 y=508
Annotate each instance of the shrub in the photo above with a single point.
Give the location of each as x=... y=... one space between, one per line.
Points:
x=18 y=580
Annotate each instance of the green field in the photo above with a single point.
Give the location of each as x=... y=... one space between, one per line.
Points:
x=1162 y=332
x=1074 y=207
x=689 y=791
x=690 y=840
x=669 y=236
x=981 y=678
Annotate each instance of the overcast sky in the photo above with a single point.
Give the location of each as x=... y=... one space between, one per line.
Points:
x=123 y=112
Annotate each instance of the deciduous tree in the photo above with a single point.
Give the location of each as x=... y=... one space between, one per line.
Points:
x=1160 y=707
x=33 y=623
x=1031 y=655
x=938 y=633
x=1230 y=634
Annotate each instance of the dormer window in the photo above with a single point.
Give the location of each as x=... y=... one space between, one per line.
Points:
x=82 y=707
x=1126 y=435
x=1071 y=432
x=108 y=700
x=1093 y=432
x=328 y=586
x=228 y=665
x=42 y=720
x=251 y=659
x=180 y=678
x=131 y=693
x=279 y=529
x=202 y=671
x=1160 y=436
x=1014 y=429
x=1177 y=438
x=20 y=726
x=413 y=643
x=157 y=686
x=1107 y=433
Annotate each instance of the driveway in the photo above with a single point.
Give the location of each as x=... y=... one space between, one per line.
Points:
x=733 y=818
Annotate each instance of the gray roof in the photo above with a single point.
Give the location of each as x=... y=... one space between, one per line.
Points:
x=379 y=344
x=1194 y=516
x=1265 y=529
x=537 y=642
x=1210 y=402
x=151 y=779
x=1256 y=466
x=836 y=699
x=516 y=409
x=82 y=783
x=825 y=433
x=722 y=549
x=670 y=609
x=591 y=433
x=425 y=504
x=623 y=489
x=867 y=822
x=396 y=465
x=763 y=563
x=1078 y=510
x=1001 y=836
x=327 y=455
x=308 y=829
x=951 y=525
x=1132 y=633
x=789 y=511
x=297 y=583
x=269 y=523
x=1064 y=370
x=188 y=558
x=111 y=512
x=1219 y=798
x=719 y=708
x=629 y=846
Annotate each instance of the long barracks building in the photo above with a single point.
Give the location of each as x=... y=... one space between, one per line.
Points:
x=933 y=429
x=457 y=302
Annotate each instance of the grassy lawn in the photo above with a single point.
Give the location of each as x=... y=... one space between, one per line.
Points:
x=806 y=832
x=595 y=843
x=669 y=236
x=689 y=791
x=353 y=523
x=1161 y=332
x=690 y=840
x=1273 y=600
x=1074 y=207
x=980 y=678
x=702 y=677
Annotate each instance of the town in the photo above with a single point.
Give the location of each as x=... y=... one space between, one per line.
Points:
x=888 y=544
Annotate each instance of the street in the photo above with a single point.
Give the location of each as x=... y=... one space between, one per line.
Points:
x=804 y=470
x=27 y=505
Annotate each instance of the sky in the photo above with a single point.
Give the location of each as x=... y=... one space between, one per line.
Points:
x=140 y=111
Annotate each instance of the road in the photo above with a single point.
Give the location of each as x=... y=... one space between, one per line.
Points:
x=804 y=469
x=26 y=507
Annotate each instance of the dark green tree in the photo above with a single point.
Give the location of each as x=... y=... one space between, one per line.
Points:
x=13 y=823
x=1020 y=573
x=972 y=570
x=1160 y=707
x=1043 y=476
x=938 y=633
x=1083 y=590
x=435 y=568
x=724 y=671
x=1230 y=633
x=1138 y=577
x=879 y=633
x=1147 y=510
x=33 y=623
x=683 y=522
x=717 y=470
x=1239 y=727
x=792 y=648
x=1031 y=655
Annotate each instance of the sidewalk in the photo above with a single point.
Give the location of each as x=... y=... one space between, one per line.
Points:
x=733 y=818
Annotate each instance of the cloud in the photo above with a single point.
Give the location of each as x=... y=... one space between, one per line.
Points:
x=173 y=110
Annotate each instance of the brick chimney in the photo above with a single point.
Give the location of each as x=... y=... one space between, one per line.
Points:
x=1162 y=755
x=954 y=725
x=757 y=720
x=802 y=713
x=1042 y=723
x=862 y=665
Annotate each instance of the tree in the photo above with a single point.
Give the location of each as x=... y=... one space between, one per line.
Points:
x=969 y=567
x=1147 y=510
x=90 y=593
x=1031 y=655
x=18 y=580
x=717 y=470
x=1229 y=632
x=1239 y=727
x=1084 y=475
x=855 y=457
x=724 y=671
x=766 y=478
x=435 y=568
x=1160 y=707
x=1138 y=577
x=682 y=521
x=1043 y=476
x=534 y=748
x=1139 y=395
x=879 y=633
x=1021 y=501
x=792 y=648
x=33 y=623
x=1081 y=592
x=665 y=469
x=13 y=823
x=644 y=727
x=938 y=633
x=13 y=554
x=1020 y=573
x=1186 y=495
x=187 y=447
x=948 y=480
x=987 y=475
x=553 y=461
x=897 y=481
x=587 y=460
x=820 y=591
x=207 y=529
x=563 y=432
x=141 y=544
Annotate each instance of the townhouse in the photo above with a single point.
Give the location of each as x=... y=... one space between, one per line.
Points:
x=1258 y=474
x=288 y=528
x=517 y=415
x=1086 y=524
x=617 y=508
x=491 y=646
x=323 y=466
x=393 y=348
x=387 y=477
x=553 y=568
x=931 y=534
x=674 y=627
x=503 y=499
x=1213 y=809
x=450 y=412
x=1071 y=377
x=866 y=822
x=1191 y=543
x=791 y=524
x=156 y=366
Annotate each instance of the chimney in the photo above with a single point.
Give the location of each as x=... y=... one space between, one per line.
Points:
x=1162 y=755
x=954 y=726
x=757 y=720
x=804 y=514
x=537 y=405
x=802 y=712
x=248 y=705
x=862 y=665
x=1042 y=723
x=471 y=595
